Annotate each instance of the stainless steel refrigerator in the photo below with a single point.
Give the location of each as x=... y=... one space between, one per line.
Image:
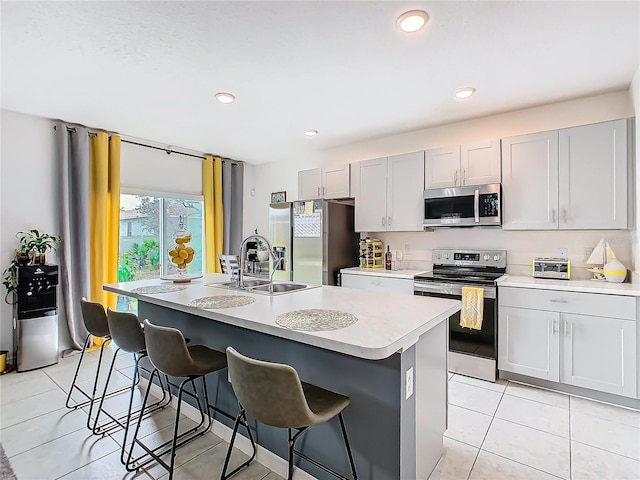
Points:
x=324 y=240
x=281 y=238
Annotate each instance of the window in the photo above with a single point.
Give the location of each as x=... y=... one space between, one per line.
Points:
x=148 y=223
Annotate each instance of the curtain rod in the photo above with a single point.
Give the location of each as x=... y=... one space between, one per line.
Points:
x=168 y=151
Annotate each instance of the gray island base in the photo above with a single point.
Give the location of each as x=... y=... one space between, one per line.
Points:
x=395 y=423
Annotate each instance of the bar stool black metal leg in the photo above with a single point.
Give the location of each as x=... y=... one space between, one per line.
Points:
x=346 y=443
x=75 y=377
x=102 y=397
x=240 y=419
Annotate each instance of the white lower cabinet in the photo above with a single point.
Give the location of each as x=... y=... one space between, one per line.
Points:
x=378 y=283
x=555 y=336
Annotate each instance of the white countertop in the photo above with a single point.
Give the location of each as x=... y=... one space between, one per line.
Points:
x=587 y=286
x=381 y=272
x=387 y=322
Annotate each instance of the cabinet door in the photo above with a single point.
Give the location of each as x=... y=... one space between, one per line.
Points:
x=309 y=184
x=480 y=163
x=405 y=205
x=370 y=182
x=599 y=353
x=593 y=176
x=528 y=342
x=530 y=182
x=441 y=167
x=378 y=283
x=336 y=181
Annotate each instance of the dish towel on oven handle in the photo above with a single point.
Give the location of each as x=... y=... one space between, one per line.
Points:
x=472 y=307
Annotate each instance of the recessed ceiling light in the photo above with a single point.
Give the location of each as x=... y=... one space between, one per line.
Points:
x=412 y=21
x=465 y=92
x=224 y=97
x=311 y=133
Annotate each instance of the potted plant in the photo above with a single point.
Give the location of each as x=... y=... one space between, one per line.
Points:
x=262 y=252
x=10 y=280
x=38 y=244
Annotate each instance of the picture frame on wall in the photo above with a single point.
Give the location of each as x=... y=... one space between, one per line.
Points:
x=278 y=197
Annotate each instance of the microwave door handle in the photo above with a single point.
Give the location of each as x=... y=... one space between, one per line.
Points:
x=476 y=205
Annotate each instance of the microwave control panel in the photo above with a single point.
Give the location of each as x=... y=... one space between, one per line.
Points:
x=489 y=205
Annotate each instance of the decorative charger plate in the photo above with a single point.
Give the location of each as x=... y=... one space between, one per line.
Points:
x=222 y=301
x=159 y=289
x=316 y=320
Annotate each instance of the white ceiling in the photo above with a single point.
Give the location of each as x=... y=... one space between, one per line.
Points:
x=150 y=69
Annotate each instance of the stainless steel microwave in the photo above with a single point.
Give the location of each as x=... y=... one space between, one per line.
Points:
x=468 y=206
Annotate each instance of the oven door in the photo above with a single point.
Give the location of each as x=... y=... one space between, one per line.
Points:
x=480 y=343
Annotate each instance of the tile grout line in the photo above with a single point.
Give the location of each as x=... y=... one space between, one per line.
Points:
x=485 y=435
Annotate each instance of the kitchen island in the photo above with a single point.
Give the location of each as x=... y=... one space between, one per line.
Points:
x=391 y=362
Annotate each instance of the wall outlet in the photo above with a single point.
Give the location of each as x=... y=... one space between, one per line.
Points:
x=409 y=383
x=563 y=252
x=407 y=249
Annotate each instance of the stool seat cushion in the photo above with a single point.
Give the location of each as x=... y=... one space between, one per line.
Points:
x=206 y=360
x=323 y=403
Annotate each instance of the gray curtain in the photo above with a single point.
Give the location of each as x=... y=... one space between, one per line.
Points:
x=73 y=164
x=232 y=191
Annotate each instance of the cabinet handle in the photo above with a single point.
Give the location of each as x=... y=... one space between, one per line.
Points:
x=323 y=191
x=464 y=177
x=553 y=300
x=553 y=215
x=564 y=215
x=318 y=191
x=388 y=220
x=554 y=326
x=383 y=220
x=455 y=177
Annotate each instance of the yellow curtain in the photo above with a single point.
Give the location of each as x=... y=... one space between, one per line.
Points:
x=104 y=215
x=213 y=211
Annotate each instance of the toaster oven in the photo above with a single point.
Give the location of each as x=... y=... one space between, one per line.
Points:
x=558 y=268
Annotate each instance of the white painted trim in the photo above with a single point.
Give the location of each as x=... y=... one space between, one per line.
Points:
x=156 y=193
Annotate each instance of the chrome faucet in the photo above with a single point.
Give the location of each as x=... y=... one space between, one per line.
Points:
x=276 y=263
x=243 y=254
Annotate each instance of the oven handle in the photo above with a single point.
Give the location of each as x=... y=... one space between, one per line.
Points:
x=450 y=289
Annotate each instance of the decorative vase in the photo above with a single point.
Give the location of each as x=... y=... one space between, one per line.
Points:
x=614 y=271
x=181 y=253
x=263 y=255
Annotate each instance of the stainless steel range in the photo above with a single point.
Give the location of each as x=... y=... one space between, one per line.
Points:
x=471 y=352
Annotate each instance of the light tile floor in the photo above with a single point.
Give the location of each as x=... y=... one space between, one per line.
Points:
x=496 y=431
x=506 y=430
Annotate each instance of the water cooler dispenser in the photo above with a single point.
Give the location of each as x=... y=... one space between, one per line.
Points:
x=35 y=317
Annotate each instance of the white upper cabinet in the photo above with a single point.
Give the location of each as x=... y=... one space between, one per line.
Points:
x=388 y=193
x=530 y=182
x=471 y=164
x=441 y=167
x=324 y=183
x=573 y=178
x=593 y=176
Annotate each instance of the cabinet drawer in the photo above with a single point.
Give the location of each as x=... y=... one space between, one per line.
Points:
x=378 y=283
x=599 y=305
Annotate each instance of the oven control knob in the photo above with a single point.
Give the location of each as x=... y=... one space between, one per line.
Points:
x=496 y=257
x=486 y=258
x=437 y=256
x=446 y=255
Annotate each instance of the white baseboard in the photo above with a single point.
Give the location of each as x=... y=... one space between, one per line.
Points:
x=265 y=457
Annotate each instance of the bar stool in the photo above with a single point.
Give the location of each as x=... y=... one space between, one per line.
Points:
x=127 y=334
x=273 y=394
x=95 y=321
x=169 y=354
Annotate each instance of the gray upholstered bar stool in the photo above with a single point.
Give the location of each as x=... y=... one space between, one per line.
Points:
x=273 y=394
x=95 y=321
x=127 y=334
x=169 y=354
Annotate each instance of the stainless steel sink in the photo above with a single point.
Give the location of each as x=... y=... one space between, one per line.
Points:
x=254 y=285
x=281 y=287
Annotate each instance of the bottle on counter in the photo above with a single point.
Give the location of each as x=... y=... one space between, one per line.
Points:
x=387 y=259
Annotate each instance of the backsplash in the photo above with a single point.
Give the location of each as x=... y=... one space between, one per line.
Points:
x=521 y=246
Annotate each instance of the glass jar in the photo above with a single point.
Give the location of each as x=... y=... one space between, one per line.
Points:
x=181 y=253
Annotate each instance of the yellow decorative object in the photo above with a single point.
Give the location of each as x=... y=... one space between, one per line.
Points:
x=472 y=307
x=213 y=211
x=371 y=253
x=614 y=271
